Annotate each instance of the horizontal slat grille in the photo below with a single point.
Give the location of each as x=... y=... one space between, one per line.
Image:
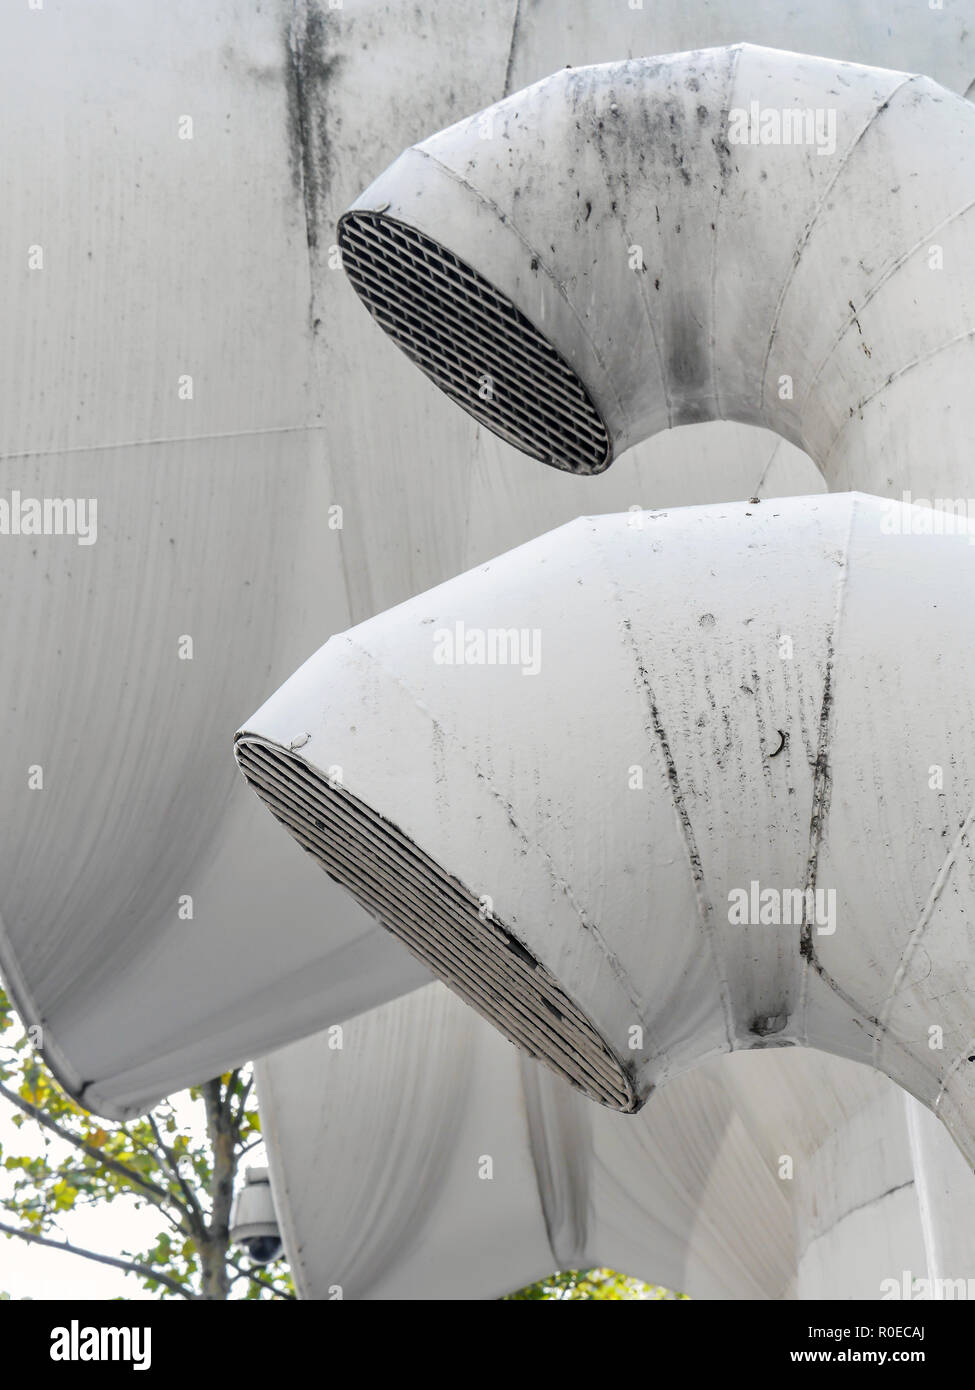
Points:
x=436 y=919
x=454 y=325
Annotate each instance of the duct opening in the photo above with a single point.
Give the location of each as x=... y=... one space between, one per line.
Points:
x=437 y=919
x=473 y=343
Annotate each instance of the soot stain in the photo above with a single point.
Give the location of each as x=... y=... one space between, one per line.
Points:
x=309 y=71
x=688 y=369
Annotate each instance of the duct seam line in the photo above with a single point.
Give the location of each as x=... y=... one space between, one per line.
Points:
x=821 y=788
x=914 y=940
x=748 y=289
x=811 y=225
x=874 y=290
x=558 y=879
x=658 y=738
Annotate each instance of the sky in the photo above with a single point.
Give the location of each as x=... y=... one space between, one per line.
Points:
x=31 y=1271
x=34 y=1272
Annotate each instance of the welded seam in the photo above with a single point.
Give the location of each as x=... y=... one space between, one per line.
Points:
x=688 y=838
x=894 y=376
x=924 y=921
x=875 y=290
x=718 y=201
x=822 y=787
x=966 y=1054
x=852 y=1211
x=532 y=846
x=765 y=471
x=705 y=908
x=162 y=439
x=811 y=227
x=821 y=790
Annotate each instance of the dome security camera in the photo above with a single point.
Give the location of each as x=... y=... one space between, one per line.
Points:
x=253 y=1221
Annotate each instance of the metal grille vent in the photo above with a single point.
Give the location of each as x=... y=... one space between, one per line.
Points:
x=437 y=920
x=473 y=343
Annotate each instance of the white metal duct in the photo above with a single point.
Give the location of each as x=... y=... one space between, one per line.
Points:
x=732 y=233
x=213 y=510
x=768 y=1175
x=462 y=1170
x=504 y=503
x=637 y=790
x=148 y=920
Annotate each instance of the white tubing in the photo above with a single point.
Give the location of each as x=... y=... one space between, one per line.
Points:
x=445 y=1165
x=211 y=510
x=684 y=270
x=900 y=38
x=213 y=523
x=452 y=1168
x=838 y=1135
x=704 y=704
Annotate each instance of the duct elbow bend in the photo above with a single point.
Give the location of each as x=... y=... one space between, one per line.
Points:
x=639 y=791
x=734 y=233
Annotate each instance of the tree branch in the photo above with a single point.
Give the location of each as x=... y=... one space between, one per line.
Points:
x=103 y=1159
x=130 y=1266
x=197 y=1220
x=222 y=1174
x=261 y=1279
x=242 y=1107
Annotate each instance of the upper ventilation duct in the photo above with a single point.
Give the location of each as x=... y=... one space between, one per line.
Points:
x=640 y=791
x=734 y=233
x=475 y=344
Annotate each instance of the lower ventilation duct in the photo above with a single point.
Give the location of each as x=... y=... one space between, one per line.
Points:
x=638 y=790
x=437 y=919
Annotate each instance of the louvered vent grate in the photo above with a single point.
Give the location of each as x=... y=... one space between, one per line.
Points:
x=436 y=919
x=473 y=343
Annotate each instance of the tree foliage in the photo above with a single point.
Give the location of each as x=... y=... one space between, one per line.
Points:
x=182 y=1159
x=593 y=1284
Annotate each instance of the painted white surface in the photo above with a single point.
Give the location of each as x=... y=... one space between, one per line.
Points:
x=630 y=790
x=199 y=262
x=857 y=1206
x=946 y=1192
x=165 y=257
x=422 y=1092
x=686 y=269
x=691 y=1193
x=903 y=39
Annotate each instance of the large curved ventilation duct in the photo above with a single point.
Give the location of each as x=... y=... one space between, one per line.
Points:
x=689 y=1193
x=734 y=233
x=654 y=787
